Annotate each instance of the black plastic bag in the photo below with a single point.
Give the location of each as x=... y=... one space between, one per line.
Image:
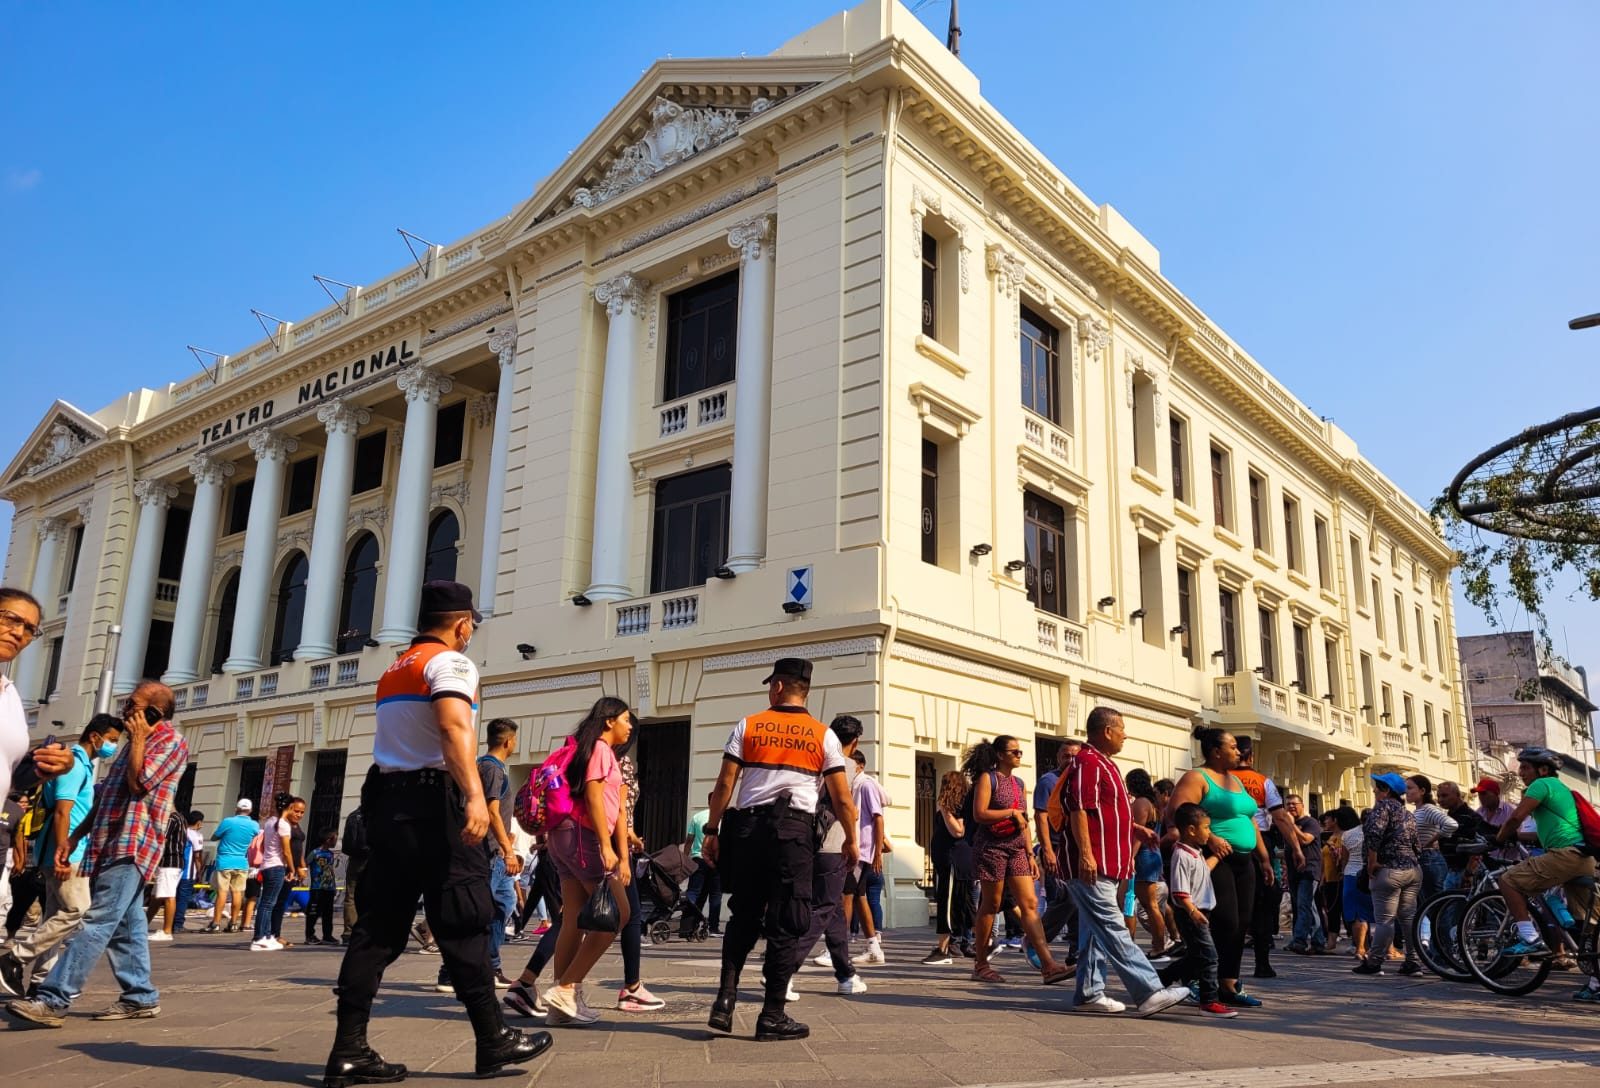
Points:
x=599 y=914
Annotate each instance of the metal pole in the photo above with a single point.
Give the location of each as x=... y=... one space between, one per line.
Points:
x=102 y=699
x=953 y=38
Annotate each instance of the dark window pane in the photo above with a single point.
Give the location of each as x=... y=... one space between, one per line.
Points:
x=440 y=563
x=930 y=501
x=1186 y=614
x=369 y=462
x=239 y=509
x=291 y=609
x=52 y=675
x=174 y=542
x=1044 y=551
x=1041 y=365
x=1180 y=450
x=225 y=608
x=302 y=490
x=1229 y=607
x=451 y=429
x=930 y=285
x=360 y=594
x=702 y=333
x=74 y=553
x=157 y=649
x=1269 y=647
x=690 y=537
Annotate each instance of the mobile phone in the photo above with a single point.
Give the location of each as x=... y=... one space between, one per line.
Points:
x=152 y=716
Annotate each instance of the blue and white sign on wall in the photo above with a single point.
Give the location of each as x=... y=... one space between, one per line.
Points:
x=798 y=585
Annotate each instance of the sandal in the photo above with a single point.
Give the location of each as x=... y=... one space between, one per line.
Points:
x=984 y=973
x=1060 y=974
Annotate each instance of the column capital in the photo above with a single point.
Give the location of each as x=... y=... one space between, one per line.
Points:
x=209 y=470
x=423 y=383
x=52 y=528
x=622 y=293
x=503 y=342
x=1006 y=268
x=753 y=236
x=272 y=446
x=156 y=494
x=342 y=417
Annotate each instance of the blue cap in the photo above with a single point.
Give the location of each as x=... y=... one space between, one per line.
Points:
x=1394 y=782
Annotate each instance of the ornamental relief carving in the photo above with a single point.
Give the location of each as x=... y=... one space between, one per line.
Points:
x=676 y=133
x=460 y=492
x=60 y=445
x=622 y=294
x=156 y=494
x=1094 y=334
x=923 y=202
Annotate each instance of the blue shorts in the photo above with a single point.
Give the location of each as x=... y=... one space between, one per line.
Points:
x=1147 y=867
x=1357 y=903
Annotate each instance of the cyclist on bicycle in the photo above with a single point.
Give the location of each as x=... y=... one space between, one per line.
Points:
x=1564 y=861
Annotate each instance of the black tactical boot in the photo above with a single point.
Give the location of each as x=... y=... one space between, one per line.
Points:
x=352 y=1061
x=499 y=1045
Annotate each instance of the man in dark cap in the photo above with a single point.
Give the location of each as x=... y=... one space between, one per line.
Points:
x=764 y=848
x=426 y=821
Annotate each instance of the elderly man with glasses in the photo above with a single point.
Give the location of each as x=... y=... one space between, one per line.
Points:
x=20 y=616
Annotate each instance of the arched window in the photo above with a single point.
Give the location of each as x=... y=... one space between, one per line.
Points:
x=226 y=604
x=291 y=609
x=443 y=532
x=360 y=594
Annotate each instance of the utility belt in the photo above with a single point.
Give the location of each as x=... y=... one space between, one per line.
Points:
x=428 y=778
x=773 y=812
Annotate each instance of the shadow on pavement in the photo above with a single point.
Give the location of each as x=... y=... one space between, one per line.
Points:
x=234 y=1062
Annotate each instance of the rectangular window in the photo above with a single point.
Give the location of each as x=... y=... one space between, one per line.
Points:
x=702 y=336
x=1438 y=645
x=1367 y=710
x=1388 y=705
x=302 y=489
x=1293 y=554
x=1410 y=718
x=1269 y=644
x=1221 y=501
x=1144 y=423
x=1302 y=658
x=52 y=674
x=1186 y=629
x=1330 y=662
x=1377 y=609
x=1048 y=555
x=1422 y=637
x=1427 y=727
x=1258 y=515
x=1319 y=528
x=1151 y=598
x=1178 y=434
x=690 y=538
x=930 y=286
x=930 y=499
x=369 y=462
x=75 y=552
x=1357 y=578
x=174 y=542
x=1400 y=620
x=1041 y=370
x=451 y=432
x=1228 y=605
x=1444 y=734
x=239 y=507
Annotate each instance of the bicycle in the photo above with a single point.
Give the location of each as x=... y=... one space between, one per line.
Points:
x=1487 y=927
x=1441 y=918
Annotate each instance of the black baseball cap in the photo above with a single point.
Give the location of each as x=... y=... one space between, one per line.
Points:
x=790 y=668
x=440 y=597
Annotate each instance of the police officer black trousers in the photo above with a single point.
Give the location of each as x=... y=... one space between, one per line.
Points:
x=766 y=855
x=827 y=915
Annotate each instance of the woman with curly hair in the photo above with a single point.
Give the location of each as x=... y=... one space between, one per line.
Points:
x=1147 y=875
x=952 y=869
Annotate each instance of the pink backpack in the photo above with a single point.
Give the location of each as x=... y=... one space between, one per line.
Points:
x=545 y=800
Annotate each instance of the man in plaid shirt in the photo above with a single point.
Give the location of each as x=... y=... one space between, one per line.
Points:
x=126 y=831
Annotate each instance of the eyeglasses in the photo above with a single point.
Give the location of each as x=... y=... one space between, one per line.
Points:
x=15 y=622
x=1013 y=751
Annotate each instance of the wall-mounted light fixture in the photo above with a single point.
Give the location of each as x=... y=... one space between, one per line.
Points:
x=581 y=601
x=1217 y=655
x=1015 y=565
x=1137 y=614
x=371 y=644
x=1105 y=602
x=794 y=608
x=725 y=573
x=527 y=650
x=1180 y=629
x=980 y=549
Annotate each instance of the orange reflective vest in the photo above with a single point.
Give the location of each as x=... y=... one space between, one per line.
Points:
x=780 y=740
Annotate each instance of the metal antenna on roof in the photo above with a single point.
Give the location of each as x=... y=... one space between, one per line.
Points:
x=323 y=281
x=197 y=352
x=952 y=40
x=409 y=238
x=272 y=332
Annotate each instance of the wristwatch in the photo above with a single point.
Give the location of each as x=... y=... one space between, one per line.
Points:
x=709 y=831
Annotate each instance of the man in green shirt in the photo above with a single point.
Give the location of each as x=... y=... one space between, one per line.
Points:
x=1564 y=861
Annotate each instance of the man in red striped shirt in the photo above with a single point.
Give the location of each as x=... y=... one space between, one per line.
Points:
x=1100 y=857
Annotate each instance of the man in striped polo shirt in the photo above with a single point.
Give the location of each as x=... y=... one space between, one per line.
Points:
x=1100 y=857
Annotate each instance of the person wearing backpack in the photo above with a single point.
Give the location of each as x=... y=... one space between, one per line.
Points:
x=1569 y=834
x=353 y=844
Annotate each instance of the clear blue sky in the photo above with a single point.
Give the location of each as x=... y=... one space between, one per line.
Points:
x=1392 y=206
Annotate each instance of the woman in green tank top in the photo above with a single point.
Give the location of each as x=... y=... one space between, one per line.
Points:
x=1235 y=842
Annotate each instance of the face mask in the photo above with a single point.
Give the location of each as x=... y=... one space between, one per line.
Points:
x=106 y=750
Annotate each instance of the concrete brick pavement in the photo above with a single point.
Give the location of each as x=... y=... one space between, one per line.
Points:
x=233 y=1017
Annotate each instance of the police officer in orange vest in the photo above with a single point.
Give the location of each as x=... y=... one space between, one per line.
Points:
x=426 y=820
x=779 y=759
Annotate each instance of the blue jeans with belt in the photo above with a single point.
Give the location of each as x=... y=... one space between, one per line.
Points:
x=1308 y=931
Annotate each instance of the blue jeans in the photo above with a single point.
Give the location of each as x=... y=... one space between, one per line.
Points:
x=705 y=882
x=271 y=892
x=872 y=888
x=1103 y=940
x=113 y=924
x=1435 y=871
x=503 y=890
x=185 y=897
x=1308 y=931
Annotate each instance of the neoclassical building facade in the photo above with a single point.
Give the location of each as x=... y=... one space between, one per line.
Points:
x=810 y=353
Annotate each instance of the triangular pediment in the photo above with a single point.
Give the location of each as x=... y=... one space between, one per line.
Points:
x=677 y=111
x=63 y=433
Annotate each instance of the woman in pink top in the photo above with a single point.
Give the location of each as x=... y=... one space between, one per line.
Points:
x=587 y=849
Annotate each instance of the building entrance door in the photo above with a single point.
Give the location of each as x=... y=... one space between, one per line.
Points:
x=661 y=752
x=327 y=794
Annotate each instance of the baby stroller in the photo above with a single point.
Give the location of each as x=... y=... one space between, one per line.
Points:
x=661 y=877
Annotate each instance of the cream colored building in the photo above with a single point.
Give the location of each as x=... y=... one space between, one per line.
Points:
x=756 y=343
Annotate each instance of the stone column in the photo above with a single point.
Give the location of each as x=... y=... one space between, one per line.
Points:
x=408 y=538
x=194 y=584
x=28 y=672
x=139 y=598
x=325 y=582
x=504 y=344
x=272 y=451
x=752 y=393
x=624 y=300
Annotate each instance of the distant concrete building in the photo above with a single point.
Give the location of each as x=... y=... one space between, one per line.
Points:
x=1520 y=696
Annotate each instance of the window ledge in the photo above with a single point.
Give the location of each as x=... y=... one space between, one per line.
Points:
x=1186 y=512
x=1329 y=595
x=1299 y=579
x=1224 y=534
x=928 y=346
x=1408 y=666
x=1147 y=479
x=1363 y=611
x=1385 y=655
x=1265 y=559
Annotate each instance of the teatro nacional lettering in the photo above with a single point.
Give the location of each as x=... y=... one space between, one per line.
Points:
x=320 y=387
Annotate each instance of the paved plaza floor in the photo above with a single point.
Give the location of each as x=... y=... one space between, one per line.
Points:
x=230 y=1017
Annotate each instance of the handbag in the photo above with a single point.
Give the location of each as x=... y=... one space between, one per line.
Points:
x=599 y=914
x=1008 y=828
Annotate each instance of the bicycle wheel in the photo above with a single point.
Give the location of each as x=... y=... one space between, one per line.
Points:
x=1486 y=928
x=1441 y=953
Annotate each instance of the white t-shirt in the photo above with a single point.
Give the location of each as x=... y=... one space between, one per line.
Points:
x=1354 y=842
x=408 y=731
x=13 y=733
x=764 y=785
x=272 y=834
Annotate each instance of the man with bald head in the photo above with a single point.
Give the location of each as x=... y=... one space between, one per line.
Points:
x=126 y=830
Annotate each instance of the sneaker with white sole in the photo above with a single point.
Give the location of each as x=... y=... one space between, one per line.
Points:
x=853 y=985
x=938 y=958
x=1161 y=1000
x=638 y=999
x=872 y=957
x=824 y=960
x=586 y=1015
x=265 y=944
x=562 y=1008
x=524 y=1001
x=127 y=1010
x=158 y=935
x=1103 y=1005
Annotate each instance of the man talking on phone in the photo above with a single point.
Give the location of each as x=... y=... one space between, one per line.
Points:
x=126 y=830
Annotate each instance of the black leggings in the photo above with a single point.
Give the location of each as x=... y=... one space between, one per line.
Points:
x=1234 y=879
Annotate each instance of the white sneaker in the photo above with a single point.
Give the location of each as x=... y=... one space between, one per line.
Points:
x=159 y=935
x=872 y=957
x=824 y=960
x=1101 y=1004
x=792 y=995
x=853 y=985
x=265 y=944
x=1162 y=999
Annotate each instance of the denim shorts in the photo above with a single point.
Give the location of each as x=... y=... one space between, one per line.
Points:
x=1357 y=903
x=575 y=850
x=1147 y=867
